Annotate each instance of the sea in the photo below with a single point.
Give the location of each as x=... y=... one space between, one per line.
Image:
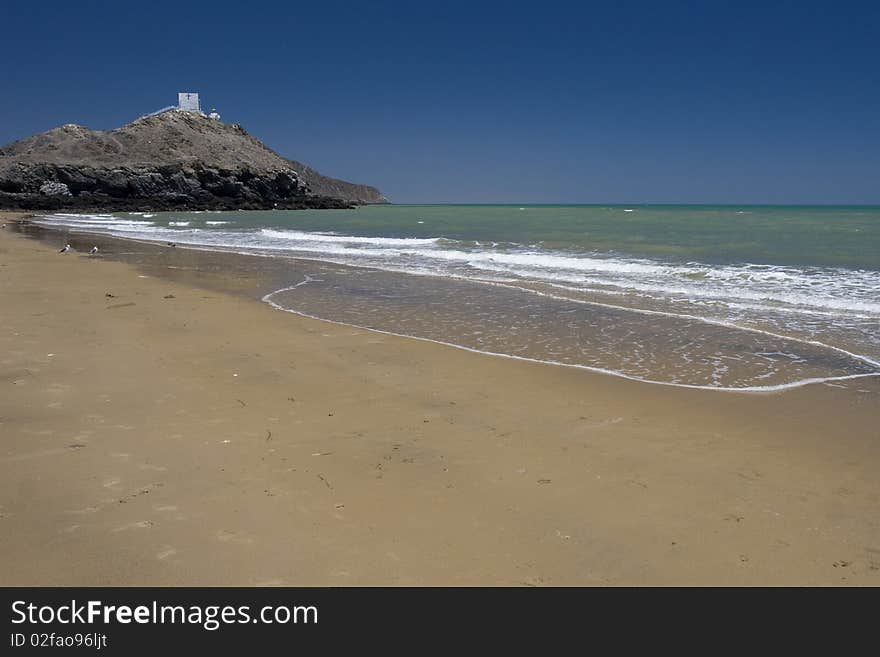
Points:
x=728 y=298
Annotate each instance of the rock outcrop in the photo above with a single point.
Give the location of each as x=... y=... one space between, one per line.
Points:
x=326 y=186
x=174 y=160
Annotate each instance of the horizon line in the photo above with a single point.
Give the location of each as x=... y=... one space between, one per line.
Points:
x=635 y=204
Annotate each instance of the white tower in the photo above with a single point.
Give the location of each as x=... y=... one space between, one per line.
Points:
x=188 y=102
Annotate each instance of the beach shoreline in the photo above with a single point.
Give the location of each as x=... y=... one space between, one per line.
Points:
x=166 y=428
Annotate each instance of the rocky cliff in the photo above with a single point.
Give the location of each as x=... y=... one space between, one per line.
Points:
x=173 y=160
x=325 y=186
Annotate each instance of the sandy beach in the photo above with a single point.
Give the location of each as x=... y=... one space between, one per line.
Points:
x=158 y=430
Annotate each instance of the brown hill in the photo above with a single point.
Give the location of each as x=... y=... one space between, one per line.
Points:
x=174 y=159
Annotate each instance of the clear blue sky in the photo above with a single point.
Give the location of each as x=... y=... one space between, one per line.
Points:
x=764 y=102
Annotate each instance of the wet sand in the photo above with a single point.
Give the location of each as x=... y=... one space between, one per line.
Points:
x=174 y=433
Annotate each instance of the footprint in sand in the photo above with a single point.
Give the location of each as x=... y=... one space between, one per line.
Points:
x=231 y=537
x=141 y=524
x=88 y=509
x=112 y=482
x=150 y=466
x=166 y=552
x=602 y=423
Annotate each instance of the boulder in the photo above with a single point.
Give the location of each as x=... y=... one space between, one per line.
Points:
x=54 y=189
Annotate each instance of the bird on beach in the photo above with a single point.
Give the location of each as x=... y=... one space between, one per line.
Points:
x=65 y=249
x=94 y=250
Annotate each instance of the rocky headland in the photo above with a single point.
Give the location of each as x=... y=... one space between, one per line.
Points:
x=174 y=160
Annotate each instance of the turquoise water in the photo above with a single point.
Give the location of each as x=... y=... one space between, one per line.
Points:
x=835 y=236
x=797 y=235
x=745 y=297
x=846 y=236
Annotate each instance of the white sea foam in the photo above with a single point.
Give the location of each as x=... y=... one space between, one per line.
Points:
x=331 y=238
x=96 y=221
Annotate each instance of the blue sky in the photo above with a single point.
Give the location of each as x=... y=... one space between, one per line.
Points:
x=717 y=102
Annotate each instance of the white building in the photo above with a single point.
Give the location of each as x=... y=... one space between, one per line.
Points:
x=188 y=102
